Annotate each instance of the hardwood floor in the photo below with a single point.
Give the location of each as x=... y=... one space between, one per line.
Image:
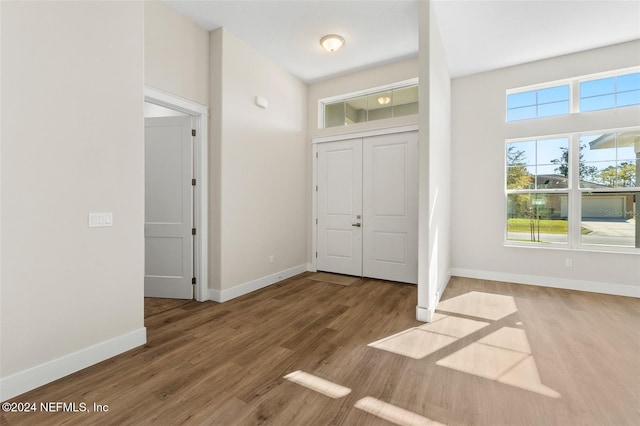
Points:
x=513 y=355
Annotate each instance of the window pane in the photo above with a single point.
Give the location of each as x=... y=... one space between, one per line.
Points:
x=517 y=100
x=538 y=103
x=629 y=82
x=597 y=103
x=374 y=105
x=555 y=108
x=627 y=173
x=549 y=177
x=600 y=147
x=334 y=114
x=552 y=151
x=537 y=217
x=380 y=105
x=521 y=113
x=356 y=110
x=608 y=160
x=597 y=87
x=521 y=153
x=628 y=98
x=553 y=94
x=405 y=101
x=608 y=219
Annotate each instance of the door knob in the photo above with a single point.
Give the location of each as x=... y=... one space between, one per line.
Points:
x=358 y=225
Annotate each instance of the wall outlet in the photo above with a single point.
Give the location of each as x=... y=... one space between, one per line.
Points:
x=271 y=258
x=568 y=263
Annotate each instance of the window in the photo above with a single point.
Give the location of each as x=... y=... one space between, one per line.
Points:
x=585 y=179
x=537 y=185
x=538 y=103
x=611 y=92
x=374 y=104
x=578 y=189
x=609 y=161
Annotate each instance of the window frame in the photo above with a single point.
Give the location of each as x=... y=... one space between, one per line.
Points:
x=574 y=194
x=507 y=192
x=360 y=93
x=536 y=88
x=602 y=76
x=574 y=92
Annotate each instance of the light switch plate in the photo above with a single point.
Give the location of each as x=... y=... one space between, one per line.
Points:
x=100 y=219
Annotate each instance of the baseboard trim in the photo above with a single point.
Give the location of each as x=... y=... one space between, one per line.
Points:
x=32 y=378
x=424 y=314
x=242 y=289
x=562 y=283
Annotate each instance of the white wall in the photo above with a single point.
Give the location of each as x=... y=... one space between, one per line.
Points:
x=261 y=185
x=479 y=133
x=435 y=166
x=176 y=53
x=72 y=143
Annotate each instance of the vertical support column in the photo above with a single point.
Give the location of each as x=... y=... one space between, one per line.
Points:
x=423 y=308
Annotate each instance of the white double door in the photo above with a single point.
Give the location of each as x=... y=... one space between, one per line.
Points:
x=367 y=207
x=168 y=208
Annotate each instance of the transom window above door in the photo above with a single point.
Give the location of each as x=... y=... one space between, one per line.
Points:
x=378 y=103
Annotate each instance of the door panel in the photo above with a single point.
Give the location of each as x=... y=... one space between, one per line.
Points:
x=390 y=207
x=168 y=208
x=339 y=207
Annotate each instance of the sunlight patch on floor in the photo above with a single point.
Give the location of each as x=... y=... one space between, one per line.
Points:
x=393 y=413
x=418 y=342
x=504 y=356
x=325 y=387
x=414 y=343
x=480 y=305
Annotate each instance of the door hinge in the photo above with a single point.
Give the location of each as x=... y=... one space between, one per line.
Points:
x=316 y=254
x=316 y=155
x=193 y=280
x=316 y=221
x=316 y=188
x=193 y=132
x=193 y=231
x=193 y=182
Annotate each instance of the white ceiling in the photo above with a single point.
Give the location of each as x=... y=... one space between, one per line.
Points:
x=478 y=35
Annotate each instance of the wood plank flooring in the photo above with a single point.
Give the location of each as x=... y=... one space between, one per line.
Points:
x=224 y=364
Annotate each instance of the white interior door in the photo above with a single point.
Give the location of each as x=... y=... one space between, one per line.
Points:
x=367 y=202
x=168 y=208
x=339 y=243
x=390 y=207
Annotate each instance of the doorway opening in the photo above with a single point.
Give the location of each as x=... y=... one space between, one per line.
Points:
x=158 y=103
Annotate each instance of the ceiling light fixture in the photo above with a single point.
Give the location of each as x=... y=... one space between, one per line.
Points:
x=384 y=100
x=332 y=42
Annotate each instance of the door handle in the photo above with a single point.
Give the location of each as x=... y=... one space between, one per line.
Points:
x=358 y=225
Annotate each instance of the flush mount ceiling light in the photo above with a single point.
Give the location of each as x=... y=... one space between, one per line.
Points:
x=332 y=42
x=384 y=100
